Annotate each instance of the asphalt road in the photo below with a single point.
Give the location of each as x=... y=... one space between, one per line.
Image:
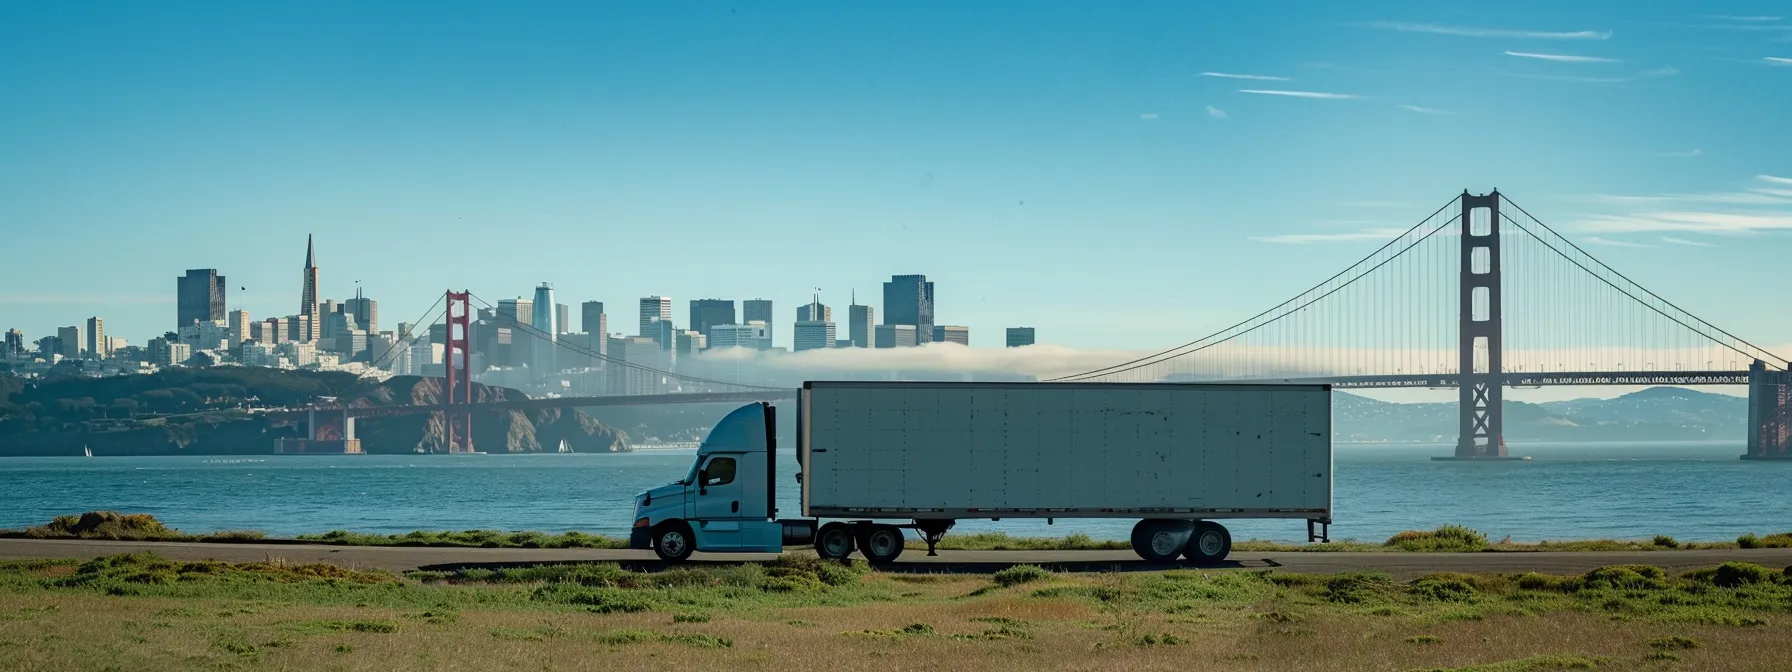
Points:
x=1400 y=565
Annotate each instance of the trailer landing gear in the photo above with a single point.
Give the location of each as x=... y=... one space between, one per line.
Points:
x=931 y=532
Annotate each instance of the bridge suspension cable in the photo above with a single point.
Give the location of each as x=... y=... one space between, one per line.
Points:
x=408 y=336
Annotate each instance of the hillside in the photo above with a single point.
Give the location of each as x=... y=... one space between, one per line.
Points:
x=1654 y=414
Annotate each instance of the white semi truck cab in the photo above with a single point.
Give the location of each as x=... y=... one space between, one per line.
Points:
x=877 y=458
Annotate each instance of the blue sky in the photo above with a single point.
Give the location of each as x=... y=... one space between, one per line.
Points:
x=1100 y=172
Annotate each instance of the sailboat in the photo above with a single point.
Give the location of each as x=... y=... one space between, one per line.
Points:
x=88 y=451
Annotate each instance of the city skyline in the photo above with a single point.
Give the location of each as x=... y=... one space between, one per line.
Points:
x=1101 y=165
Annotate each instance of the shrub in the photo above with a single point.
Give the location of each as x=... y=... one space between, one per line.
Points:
x=1443 y=588
x=1665 y=541
x=1446 y=539
x=1633 y=577
x=105 y=525
x=1019 y=574
x=1359 y=588
x=1734 y=574
x=1781 y=540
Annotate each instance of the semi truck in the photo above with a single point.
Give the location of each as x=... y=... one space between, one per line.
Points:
x=875 y=459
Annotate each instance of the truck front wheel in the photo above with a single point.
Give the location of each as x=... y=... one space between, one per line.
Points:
x=1160 y=541
x=882 y=544
x=673 y=541
x=833 y=542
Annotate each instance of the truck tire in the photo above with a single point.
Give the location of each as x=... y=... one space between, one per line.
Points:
x=834 y=542
x=673 y=541
x=1160 y=541
x=1210 y=544
x=883 y=543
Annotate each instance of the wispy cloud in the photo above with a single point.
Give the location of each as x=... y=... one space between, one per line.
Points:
x=1646 y=74
x=1775 y=60
x=1233 y=75
x=1461 y=31
x=1746 y=19
x=1215 y=112
x=1562 y=58
x=1424 y=110
x=1311 y=238
x=1683 y=155
x=1596 y=240
x=1148 y=115
x=1726 y=198
x=1301 y=94
x=1774 y=180
x=1375 y=204
x=1787 y=193
x=1690 y=222
x=1682 y=241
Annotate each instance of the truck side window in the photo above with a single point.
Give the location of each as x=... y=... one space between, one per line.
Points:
x=721 y=471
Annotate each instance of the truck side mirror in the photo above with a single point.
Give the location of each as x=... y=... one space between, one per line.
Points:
x=703 y=481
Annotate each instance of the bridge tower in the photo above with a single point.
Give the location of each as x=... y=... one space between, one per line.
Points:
x=1481 y=384
x=457 y=369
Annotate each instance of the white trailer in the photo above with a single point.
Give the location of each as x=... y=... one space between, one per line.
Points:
x=1178 y=457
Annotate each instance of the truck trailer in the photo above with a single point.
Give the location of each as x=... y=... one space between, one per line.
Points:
x=877 y=458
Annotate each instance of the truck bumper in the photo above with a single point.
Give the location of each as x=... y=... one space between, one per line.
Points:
x=640 y=538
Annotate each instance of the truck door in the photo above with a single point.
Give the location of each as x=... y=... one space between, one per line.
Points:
x=718 y=504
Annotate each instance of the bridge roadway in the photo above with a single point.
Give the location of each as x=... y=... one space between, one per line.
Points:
x=1400 y=565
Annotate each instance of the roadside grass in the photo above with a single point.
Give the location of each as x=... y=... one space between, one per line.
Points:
x=141 y=611
x=1445 y=539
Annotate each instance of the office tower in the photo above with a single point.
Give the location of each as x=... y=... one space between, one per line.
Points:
x=654 y=308
x=70 y=343
x=199 y=297
x=562 y=319
x=15 y=343
x=753 y=335
x=814 y=312
x=95 y=339
x=239 y=324
x=308 y=296
x=1020 y=336
x=896 y=336
x=691 y=342
x=274 y=330
x=519 y=311
x=758 y=310
x=365 y=310
x=301 y=329
x=908 y=299
x=326 y=308
x=950 y=334
x=859 y=325
x=706 y=313
x=592 y=319
x=815 y=331
x=541 y=345
x=49 y=347
x=662 y=332
x=115 y=344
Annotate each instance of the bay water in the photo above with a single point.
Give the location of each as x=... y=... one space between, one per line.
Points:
x=1692 y=491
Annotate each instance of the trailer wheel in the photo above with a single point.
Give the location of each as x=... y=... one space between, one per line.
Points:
x=883 y=543
x=1160 y=541
x=1211 y=543
x=673 y=541
x=833 y=542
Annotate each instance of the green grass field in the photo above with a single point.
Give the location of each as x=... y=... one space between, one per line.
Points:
x=144 y=612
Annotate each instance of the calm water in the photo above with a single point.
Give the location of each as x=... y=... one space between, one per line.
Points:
x=1690 y=491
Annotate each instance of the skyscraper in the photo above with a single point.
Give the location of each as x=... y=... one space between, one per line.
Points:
x=307 y=296
x=654 y=308
x=943 y=333
x=562 y=318
x=908 y=299
x=365 y=310
x=1020 y=336
x=592 y=319
x=239 y=327
x=814 y=312
x=544 y=333
x=706 y=313
x=758 y=310
x=15 y=343
x=517 y=311
x=69 y=341
x=814 y=332
x=859 y=325
x=98 y=347
x=199 y=297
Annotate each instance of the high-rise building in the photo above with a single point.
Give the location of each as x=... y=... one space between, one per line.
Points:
x=691 y=342
x=753 y=335
x=859 y=325
x=706 y=313
x=308 y=297
x=365 y=310
x=49 y=347
x=896 y=336
x=15 y=343
x=98 y=346
x=199 y=297
x=1020 y=336
x=663 y=332
x=654 y=308
x=71 y=344
x=908 y=299
x=592 y=319
x=239 y=325
x=518 y=310
x=814 y=331
x=758 y=310
x=543 y=361
x=276 y=330
x=562 y=319
x=943 y=333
